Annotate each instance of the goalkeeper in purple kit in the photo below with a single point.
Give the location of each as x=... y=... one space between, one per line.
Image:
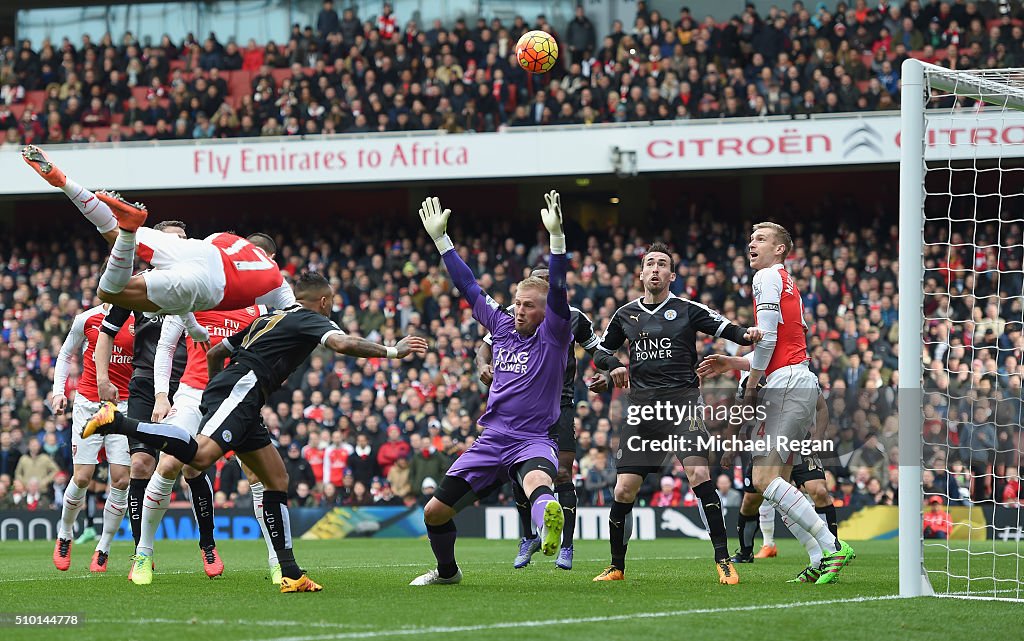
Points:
x=530 y=349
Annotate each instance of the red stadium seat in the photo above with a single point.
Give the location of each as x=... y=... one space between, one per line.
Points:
x=513 y=95
x=101 y=133
x=17 y=109
x=240 y=84
x=995 y=22
x=280 y=75
x=117 y=119
x=139 y=93
x=176 y=64
x=37 y=98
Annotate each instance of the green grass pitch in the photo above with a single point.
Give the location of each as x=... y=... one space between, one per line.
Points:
x=671 y=592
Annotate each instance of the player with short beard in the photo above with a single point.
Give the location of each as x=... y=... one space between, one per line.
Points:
x=662 y=333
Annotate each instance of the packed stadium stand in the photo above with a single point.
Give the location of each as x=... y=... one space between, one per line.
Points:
x=390 y=284
x=394 y=430
x=358 y=74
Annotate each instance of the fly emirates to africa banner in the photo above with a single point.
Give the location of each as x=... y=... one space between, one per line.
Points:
x=581 y=151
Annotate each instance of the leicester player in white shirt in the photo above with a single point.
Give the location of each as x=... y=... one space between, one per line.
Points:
x=790 y=392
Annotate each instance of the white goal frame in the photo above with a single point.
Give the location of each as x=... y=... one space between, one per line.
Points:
x=989 y=88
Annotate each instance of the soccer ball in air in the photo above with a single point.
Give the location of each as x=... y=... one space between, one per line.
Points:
x=537 y=51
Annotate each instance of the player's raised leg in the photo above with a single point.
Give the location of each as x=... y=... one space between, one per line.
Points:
x=117 y=284
x=538 y=482
x=203 y=453
x=92 y=208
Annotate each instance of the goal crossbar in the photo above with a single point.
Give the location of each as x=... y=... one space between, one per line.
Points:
x=998 y=87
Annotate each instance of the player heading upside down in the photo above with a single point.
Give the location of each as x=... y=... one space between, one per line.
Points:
x=263 y=355
x=530 y=351
x=221 y=272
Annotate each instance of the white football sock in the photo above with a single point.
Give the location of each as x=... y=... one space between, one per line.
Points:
x=95 y=210
x=808 y=541
x=257 y=508
x=766 y=516
x=74 y=499
x=113 y=513
x=120 y=264
x=154 y=506
x=792 y=503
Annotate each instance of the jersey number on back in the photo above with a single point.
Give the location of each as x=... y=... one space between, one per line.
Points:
x=260 y=261
x=259 y=327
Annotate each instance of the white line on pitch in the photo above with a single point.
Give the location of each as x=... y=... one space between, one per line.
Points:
x=200 y=621
x=370 y=634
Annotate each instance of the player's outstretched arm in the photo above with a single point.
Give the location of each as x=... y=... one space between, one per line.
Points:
x=716 y=364
x=435 y=221
x=710 y=322
x=485 y=309
x=362 y=348
x=558 y=300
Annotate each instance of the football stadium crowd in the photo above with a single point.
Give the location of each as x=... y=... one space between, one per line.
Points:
x=346 y=73
x=366 y=432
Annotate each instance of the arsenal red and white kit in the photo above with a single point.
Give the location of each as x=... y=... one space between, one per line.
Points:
x=222 y=272
x=81 y=341
x=791 y=390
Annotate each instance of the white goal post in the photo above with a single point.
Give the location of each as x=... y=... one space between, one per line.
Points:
x=961 y=212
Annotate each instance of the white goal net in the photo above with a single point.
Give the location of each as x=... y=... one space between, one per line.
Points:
x=961 y=315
